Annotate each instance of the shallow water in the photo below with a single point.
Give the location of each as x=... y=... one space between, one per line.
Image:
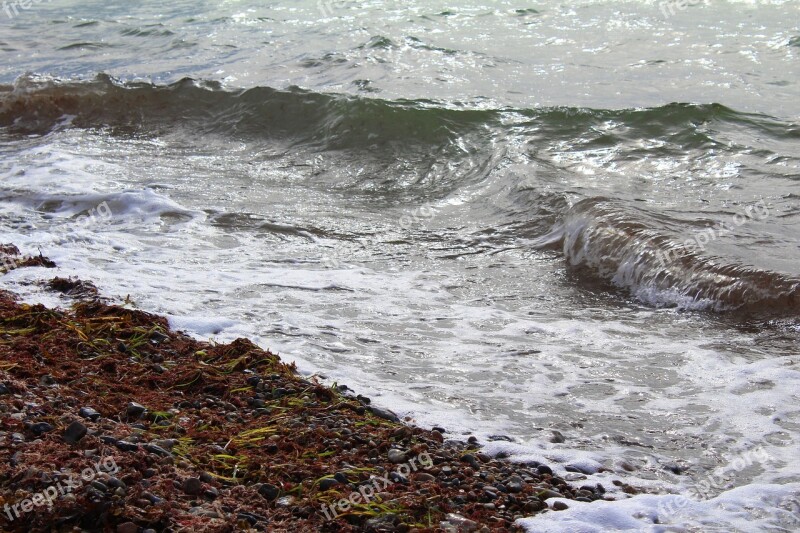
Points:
x=498 y=218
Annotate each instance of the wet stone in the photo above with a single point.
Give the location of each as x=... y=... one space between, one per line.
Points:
x=127 y=527
x=75 y=432
x=135 y=410
x=193 y=486
x=269 y=491
x=327 y=484
x=40 y=428
x=89 y=413
x=397 y=456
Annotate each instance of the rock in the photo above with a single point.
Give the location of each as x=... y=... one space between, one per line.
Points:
x=383 y=413
x=75 y=432
x=116 y=483
x=157 y=337
x=193 y=486
x=397 y=456
x=126 y=446
x=549 y=493
x=327 y=483
x=437 y=436
x=560 y=506
x=127 y=527
x=557 y=437
x=534 y=506
x=471 y=460
x=4 y=389
x=268 y=491
x=473 y=440
x=47 y=380
x=135 y=410
x=579 y=469
x=158 y=450
x=89 y=414
x=40 y=428
x=423 y=477
x=544 y=469
x=515 y=484
x=463 y=525
x=341 y=477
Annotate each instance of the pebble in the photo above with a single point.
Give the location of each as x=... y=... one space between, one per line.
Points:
x=462 y=524
x=75 y=432
x=327 y=483
x=560 y=506
x=557 y=437
x=193 y=486
x=269 y=491
x=397 y=456
x=549 y=493
x=89 y=413
x=126 y=446
x=40 y=428
x=127 y=527
x=158 y=450
x=383 y=413
x=471 y=460
x=534 y=506
x=4 y=389
x=135 y=410
x=544 y=469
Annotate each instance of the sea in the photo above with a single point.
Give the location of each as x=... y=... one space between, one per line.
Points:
x=569 y=228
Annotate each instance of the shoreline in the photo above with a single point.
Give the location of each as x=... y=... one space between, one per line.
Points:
x=220 y=437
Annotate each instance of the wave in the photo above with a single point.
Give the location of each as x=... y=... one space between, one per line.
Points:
x=605 y=239
x=39 y=104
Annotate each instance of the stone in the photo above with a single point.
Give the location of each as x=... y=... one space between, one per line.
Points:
x=560 y=506
x=383 y=413
x=327 y=483
x=462 y=524
x=471 y=460
x=89 y=414
x=268 y=491
x=397 y=456
x=193 y=486
x=557 y=437
x=75 y=432
x=135 y=410
x=40 y=428
x=158 y=450
x=127 y=527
